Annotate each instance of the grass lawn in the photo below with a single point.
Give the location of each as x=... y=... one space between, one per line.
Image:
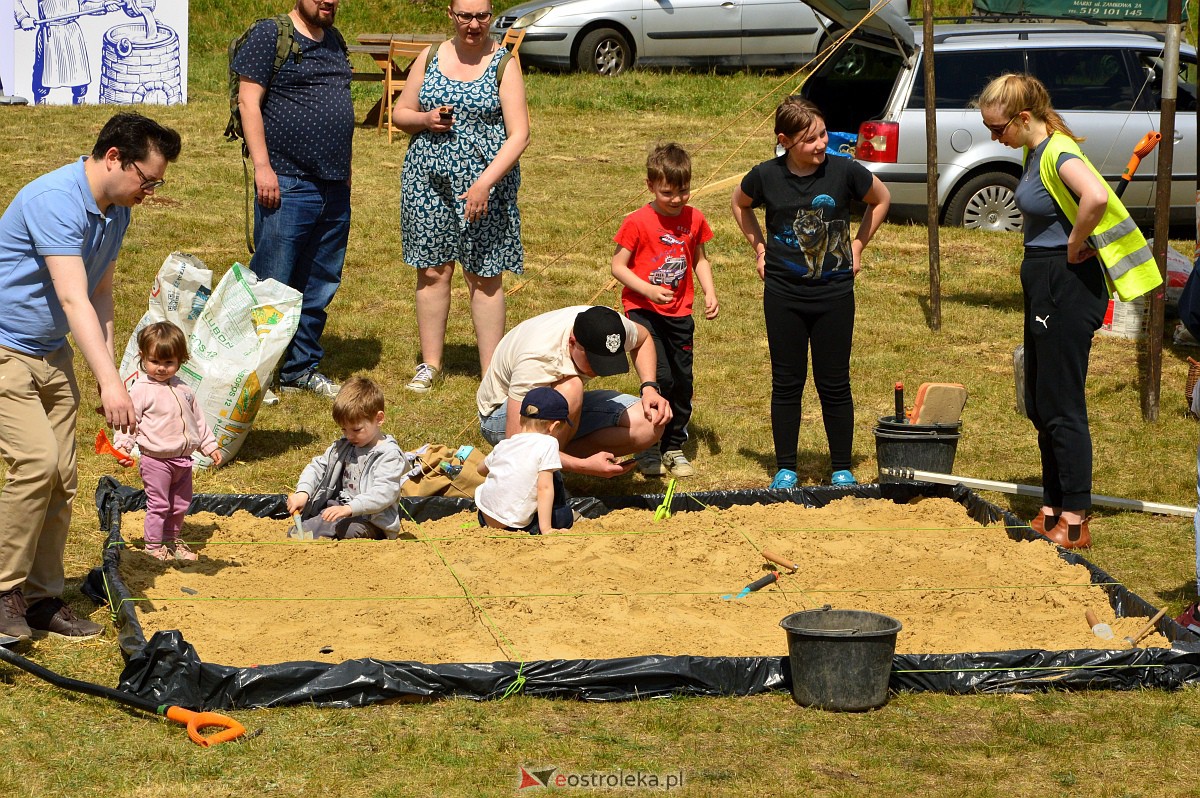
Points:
x=582 y=172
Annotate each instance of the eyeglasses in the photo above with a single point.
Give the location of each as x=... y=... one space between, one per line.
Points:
x=998 y=130
x=147 y=183
x=465 y=17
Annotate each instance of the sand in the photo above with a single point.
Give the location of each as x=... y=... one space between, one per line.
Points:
x=622 y=585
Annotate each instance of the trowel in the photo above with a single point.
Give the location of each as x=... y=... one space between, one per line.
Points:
x=300 y=532
x=757 y=584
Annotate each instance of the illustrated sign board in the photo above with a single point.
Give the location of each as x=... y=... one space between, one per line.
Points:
x=95 y=51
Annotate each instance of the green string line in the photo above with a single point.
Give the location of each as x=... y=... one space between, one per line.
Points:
x=518 y=683
x=501 y=638
x=572 y=534
x=1036 y=668
x=474 y=598
x=108 y=591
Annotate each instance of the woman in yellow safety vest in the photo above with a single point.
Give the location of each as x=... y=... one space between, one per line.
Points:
x=1074 y=228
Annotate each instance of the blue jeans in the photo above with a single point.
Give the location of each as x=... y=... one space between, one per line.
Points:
x=302 y=243
x=601 y=410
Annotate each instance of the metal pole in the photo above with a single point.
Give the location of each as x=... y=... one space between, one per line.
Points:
x=1033 y=491
x=1152 y=371
x=931 y=175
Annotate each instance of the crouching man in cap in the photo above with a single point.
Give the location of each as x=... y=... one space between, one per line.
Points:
x=563 y=350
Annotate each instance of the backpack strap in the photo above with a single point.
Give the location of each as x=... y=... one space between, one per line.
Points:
x=286 y=46
x=504 y=59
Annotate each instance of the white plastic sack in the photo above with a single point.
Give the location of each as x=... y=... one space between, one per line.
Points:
x=178 y=295
x=234 y=346
x=1179 y=269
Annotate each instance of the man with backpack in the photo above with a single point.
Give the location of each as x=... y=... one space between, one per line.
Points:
x=297 y=120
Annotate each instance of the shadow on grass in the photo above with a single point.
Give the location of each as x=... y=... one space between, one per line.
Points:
x=347 y=356
x=265 y=444
x=1185 y=594
x=988 y=299
x=698 y=435
x=812 y=468
x=462 y=359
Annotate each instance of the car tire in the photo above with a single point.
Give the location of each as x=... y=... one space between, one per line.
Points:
x=986 y=202
x=605 y=51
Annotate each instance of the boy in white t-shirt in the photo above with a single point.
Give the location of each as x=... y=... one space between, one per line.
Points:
x=523 y=489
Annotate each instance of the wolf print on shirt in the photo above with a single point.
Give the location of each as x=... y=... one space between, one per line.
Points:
x=818 y=238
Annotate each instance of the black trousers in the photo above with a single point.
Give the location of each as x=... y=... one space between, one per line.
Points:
x=673 y=336
x=1064 y=306
x=828 y=329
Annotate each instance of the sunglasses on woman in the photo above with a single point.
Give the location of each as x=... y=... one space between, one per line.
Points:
x=998 y=130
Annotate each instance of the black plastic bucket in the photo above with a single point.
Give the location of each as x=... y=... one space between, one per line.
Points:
x=840 y=659
x=926 y=447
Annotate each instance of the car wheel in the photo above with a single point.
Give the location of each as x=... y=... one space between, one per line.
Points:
x=986 y=202
x=605 y=51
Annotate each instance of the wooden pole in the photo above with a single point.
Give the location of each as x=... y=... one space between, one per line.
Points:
x=1151 y=372
x=931 y=174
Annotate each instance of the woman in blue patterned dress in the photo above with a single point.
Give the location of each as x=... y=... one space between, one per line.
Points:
x=458 y=190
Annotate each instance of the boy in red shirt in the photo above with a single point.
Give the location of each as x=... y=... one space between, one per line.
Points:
x=658 y=247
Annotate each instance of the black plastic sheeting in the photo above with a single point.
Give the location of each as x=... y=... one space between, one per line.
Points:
x=167 y=670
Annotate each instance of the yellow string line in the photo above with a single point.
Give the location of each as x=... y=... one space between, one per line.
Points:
x=475 y=597
x=1036 y=667
x=493 y=628
x=572 y=534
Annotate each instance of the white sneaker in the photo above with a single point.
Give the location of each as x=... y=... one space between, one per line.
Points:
x=314 y=382
x=270 y=398
x=424 y=379
x=676 y=464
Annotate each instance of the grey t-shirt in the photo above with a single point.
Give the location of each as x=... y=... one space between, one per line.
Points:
x=1045 y=225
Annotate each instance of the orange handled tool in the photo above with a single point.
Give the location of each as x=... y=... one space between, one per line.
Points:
x=230 y=729
x=1143 y=148
x=104 y=446
x=778 y=560
x=195 y=721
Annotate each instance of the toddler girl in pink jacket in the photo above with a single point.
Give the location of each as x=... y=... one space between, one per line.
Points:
x=169 y=428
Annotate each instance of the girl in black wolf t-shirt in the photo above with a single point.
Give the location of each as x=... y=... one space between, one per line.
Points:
x=807 y=261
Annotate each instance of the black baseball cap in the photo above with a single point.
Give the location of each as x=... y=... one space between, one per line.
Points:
x=601 y=333
x=545 y=403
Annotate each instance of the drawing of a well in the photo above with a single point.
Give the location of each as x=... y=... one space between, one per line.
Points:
x=139 y=63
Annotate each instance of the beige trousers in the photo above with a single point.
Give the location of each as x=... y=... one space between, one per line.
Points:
x=39 y=399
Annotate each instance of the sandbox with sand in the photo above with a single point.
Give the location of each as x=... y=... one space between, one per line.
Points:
x=622 y=585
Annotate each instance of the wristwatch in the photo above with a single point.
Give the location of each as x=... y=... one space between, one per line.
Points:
x=648 y=384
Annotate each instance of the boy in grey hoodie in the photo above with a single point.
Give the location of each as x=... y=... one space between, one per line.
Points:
x=352 y=490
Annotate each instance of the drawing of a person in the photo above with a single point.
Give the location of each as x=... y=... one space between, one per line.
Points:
x=60 y=57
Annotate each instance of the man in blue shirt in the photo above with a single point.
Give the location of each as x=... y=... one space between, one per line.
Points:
x=299 y=125
x=59 y=240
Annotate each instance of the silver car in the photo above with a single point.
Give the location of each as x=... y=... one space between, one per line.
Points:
x=610 y=36
x=1104 y=80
